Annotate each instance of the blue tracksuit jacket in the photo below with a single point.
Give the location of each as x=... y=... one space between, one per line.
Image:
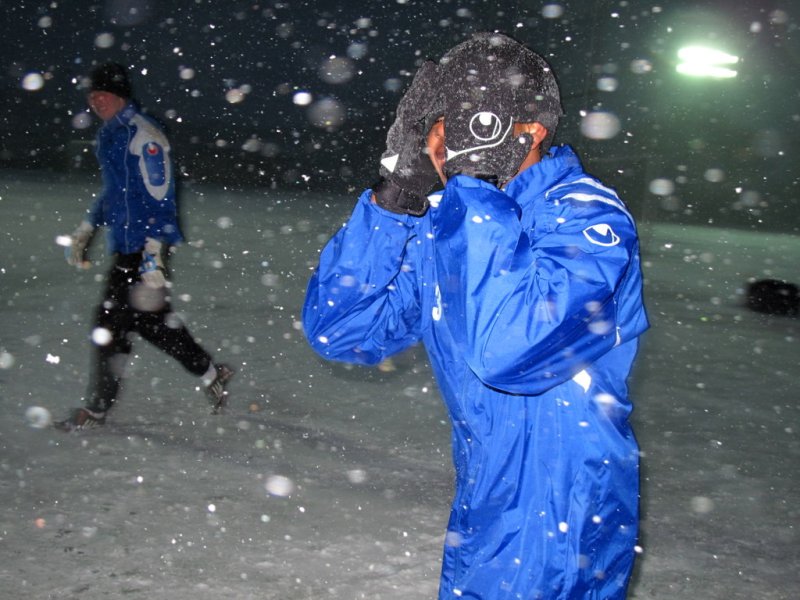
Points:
x=138 y=196
x=529 y=303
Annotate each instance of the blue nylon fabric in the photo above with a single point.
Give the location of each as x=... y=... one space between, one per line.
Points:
x=529 y=304
x=138 y=196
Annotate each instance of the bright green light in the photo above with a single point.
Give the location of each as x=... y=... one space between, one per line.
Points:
x=698 y=61
x=695 y=70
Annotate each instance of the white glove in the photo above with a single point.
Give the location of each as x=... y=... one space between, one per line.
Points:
x=151 y=269
x=81 y=238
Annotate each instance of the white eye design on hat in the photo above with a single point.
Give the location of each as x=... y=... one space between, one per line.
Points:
x=485 y=126
x=487 y=129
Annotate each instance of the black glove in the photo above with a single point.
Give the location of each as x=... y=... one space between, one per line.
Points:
x=407 y=174
x=485 y=92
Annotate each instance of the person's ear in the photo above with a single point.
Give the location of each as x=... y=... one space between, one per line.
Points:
x=536 y=130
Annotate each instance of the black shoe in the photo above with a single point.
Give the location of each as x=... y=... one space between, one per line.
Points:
x=216 y=392
x=81 y=418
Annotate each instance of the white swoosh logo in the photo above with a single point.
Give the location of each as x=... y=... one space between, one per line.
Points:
x=601 y=235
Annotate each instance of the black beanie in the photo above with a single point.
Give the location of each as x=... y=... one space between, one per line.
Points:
x=503 y=71
x=112 y=78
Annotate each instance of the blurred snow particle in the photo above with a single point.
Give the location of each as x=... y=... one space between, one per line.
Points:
x=302 y=98
x=82 y=120
x=702 y=505
x=38 y=417
x=101 y=336
x=270 y=280
x=104 y=40
x=45 y=22
x=607 y=84
x=755 y=27
x=127 y=13
x=552 y=11
x=393 y=84
x=186 y=73
x=600 y=125
x=212 y=508
x=327 y=113
x=767 y=143
x=750 y=198
x=224 y=222
x=600 y=327
x=284 y=30
x=33 y=82
x=173 y=320
x=714 y=175
x=252 y=144
x=336 y=69
x=235 y=95
x=33 y=340
x=605 y=399
x=64 y=240
x=147 y=298
x=6 y=360
x=640 y=66
x=357 y=50
x=357 y=476
x=778 y=17
x=661 y=187
x=671 y=203
x=278 y=485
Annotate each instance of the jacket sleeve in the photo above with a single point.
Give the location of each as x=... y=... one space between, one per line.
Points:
x=362 y=303
x=95 y=214
x=528 y=314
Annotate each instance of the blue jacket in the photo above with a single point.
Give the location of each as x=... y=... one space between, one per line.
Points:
x=529 y=303
x=138 y=196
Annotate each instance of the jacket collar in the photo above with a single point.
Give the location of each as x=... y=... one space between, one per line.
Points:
x=123 y=117
x=534 y=181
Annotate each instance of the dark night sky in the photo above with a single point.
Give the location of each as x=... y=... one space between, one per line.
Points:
x=223 y=77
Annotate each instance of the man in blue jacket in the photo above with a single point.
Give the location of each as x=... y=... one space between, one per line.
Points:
x=137 y=205
x=522 y=279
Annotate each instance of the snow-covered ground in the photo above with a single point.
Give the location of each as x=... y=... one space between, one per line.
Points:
x=324 y=481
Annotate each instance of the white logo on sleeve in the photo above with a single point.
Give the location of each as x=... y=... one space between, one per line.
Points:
x=601 y=235
x=152 y=147
x=436 y=311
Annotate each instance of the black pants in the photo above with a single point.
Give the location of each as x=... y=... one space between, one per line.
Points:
x=129 y=306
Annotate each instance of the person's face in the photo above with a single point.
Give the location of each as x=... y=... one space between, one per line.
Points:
x=436 y=147
x=436 y=153
x=105 y=104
